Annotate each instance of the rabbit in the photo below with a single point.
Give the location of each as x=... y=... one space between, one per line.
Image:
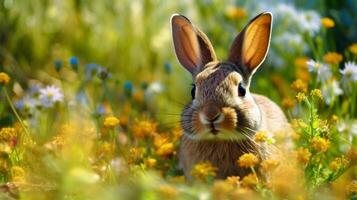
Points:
x=220 y=122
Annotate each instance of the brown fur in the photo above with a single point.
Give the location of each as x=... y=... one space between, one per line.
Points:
x=220 y=122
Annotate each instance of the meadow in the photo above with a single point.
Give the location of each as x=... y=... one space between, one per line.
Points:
x=91 y=96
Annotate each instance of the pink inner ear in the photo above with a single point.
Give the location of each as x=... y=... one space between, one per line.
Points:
x=186 y=43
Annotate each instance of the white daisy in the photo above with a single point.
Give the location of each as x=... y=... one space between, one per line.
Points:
x=50 y=95
x=309 y=21
x=322 y=70
x=350 y=71
x=330 y=91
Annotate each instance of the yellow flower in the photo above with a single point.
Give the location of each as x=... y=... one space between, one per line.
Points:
x=352 y=154
x=333 y=58
x=18 y=174
x=269 y=165
x=4 y=78
x=299 y=86
x=301 y=62
x=337 y=163
x=327 y=22
x=136 y=152
x=150 y=162
x=316 y=93
x=144 y=128
x=300 y=97
x=233 y=180
x=221 y=189
x=288 y=103
x=167 y=191
x=203 y=170
x=320 y=144
x=303 y=155
x=166 y=149
x=334 y=119
x=352 y=187
x=250 y=180
x=235 y=13
x=111 y=122
x=106 y=150
x=261 y=136
x=8 y=134
x=353 y=48
x=248 y=160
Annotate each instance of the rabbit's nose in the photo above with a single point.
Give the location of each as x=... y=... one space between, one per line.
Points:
x=210 y=114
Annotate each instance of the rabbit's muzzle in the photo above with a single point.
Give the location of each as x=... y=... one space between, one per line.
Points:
x=214 y=118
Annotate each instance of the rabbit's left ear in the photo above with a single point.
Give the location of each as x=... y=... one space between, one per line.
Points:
x=251 y=46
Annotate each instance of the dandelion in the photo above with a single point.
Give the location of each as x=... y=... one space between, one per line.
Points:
x=320 y=144
x=303 y=155
x=166 y=149
x=4 y=78
x=327 y=22
x=269 y=165
x=234 y=13
x=299 y=86
x=353 y=48
x=333 y=58
x=331 y=90
x=300 y=97
x=250 y=180
x=248 y=160
x=334 y=119
x=49 y=96
x=203 y=170
x=111 y=122
x=167 y=191
x=350 y=71
x=233 y=180
x=316 y=93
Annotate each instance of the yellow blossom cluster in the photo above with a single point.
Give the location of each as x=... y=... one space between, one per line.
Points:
x=261 y=136
x=111 y=122
x=303 y=155
x=299 y=86
x=353 y=48
x=288 y=102
x=316 y=93
x=144 y=128
x=247 y=160
x=333 y=58
x=320 y=144
x=4 y=78
x=269 y=165
x=203 y=170
x=8 y=134
x=337 y=163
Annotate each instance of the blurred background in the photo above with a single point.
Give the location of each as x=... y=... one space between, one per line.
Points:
x=131 y=39
x=91 y=95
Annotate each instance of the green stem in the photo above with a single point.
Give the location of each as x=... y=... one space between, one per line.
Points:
x=15 y=112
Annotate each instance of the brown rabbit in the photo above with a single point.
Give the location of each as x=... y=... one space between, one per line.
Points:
x=220 y=122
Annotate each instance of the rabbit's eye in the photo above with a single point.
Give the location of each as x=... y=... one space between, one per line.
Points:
x=193 y=91
x=241 y=90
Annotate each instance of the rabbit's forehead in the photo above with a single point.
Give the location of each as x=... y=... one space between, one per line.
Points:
x=213 y=76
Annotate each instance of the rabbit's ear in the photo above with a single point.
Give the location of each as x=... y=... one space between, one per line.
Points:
x=192 y=47
x=251 y=46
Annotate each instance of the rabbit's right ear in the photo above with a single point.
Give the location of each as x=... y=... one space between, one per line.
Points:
x=192 y=47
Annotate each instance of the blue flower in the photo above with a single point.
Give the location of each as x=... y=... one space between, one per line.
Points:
x=74 y=63
x=128 y=88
